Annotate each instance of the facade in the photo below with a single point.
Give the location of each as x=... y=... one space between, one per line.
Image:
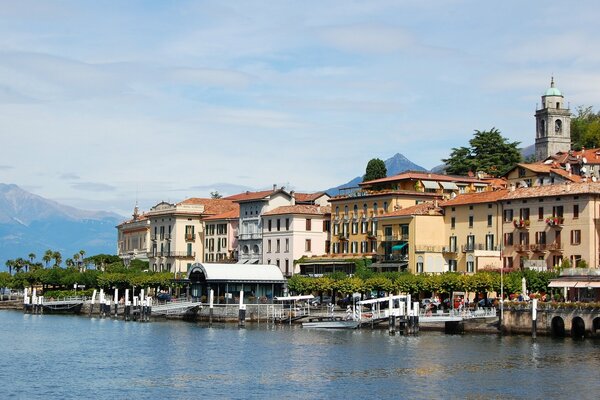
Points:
x=411 y=239
x=134 y=238
x=252 y=206
x=542 y=226
x=553 y=125
x=295 y=231
x=177 y=232
x=539 y=174
x=220 y=237
x=473 y=230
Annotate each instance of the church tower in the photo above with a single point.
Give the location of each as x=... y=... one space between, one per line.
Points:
x=553 y=125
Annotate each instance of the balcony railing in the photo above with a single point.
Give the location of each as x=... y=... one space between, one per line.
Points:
x=249 y=236
x=449 y=249
x=555 y=221
x=171 y=254
x=392 y=258
x=520 y=248
x=521 y=223
x=190 y=237
x=429 y=249
x=467 y=248
x=393 y=238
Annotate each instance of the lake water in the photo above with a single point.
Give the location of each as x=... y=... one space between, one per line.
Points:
x=48 y=356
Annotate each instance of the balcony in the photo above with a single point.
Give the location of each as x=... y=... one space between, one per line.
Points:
x=391 y=258
x=190 y=237
x=393 y=238
x=555 y=222
x=538 y=247
x=250 y=236
x=420 y=248
x=183 y=254
x=371 y=235
x=343 y=237
x=521 y=248
x=450 y=249
x=521 y=223
x=471 y=247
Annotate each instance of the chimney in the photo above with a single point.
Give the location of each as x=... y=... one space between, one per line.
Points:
x=274 y=187
x=293 y=194
x=511 y=187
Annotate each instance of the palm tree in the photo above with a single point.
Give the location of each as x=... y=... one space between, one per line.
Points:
x=19 y=264
x=10 y=264
x=82 y=255
x=57 y=258
x=47 y=257
x=69 y=262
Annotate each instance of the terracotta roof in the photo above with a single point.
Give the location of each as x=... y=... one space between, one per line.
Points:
x=248 y=196
x=300 y=209
x=566 y=175
x=233 y=214
x=211 y=206
x=554 y=190
x=424 y=176
x=305 y=197
x=426 y=208
x=376 y=193
x=536 y=167
x=475 y=198
x=140 y=217
x=592 y=156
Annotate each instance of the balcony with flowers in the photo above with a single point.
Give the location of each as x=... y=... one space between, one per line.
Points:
x=555 y=221
x=521 y=223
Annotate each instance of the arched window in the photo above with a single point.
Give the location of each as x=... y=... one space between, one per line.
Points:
x=420 y=264
x=558 y=126
x=345 y=210
x=256 y=249
x=245 y=249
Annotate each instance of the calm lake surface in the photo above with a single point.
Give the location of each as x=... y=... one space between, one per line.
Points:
x=61 y=357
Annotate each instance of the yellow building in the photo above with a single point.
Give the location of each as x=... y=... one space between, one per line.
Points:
x=473 y=231
x=411 y=239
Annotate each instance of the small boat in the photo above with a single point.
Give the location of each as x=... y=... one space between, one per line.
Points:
x=331 y=323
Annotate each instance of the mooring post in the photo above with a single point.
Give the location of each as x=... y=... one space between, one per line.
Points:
x=242 y=312
x=409 y=315
x=127 y=306
x=142 y=306
x=92 y=302
x=534 y=319
x=391 y=321
x=102 y=300
x=211 y=299
x=148 y=307
x=416 y=318
x=116 y=299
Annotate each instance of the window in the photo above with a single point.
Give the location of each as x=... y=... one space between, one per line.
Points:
x=453 y=222
x=508 y=239
x=507 y=262
x=420 y=264
x=364 y=246
x=540 y=237
x=307 y=245
x=489 y=241
x=508 y=215
x=385 y=206
x=364 y=227
x=336 y=229
x=269 y=246
x=470 y=221
x=308 y=224
x=346 y=210
x=189 y=249
x=576 y=211
x=470 y=243
x=337 y=210
x=524 y=213
x=375 y=208
x=326 y=226
x=452 y=244
x=452 y=265
x=489 y=219
x=189 y=232
x=356 y=211
x=345 y=247
x=470 y=263
x=287 y=224
x=576 y=236
x=287 y=245
x=540 y=213
x=557 y=211
x=345 y=229
x=278 y=224
x=524 y=238
x=336 y=248
x=354 y=247
x=269 y=223
x=373 y=246
x=278 y=246
x=354 y=228
x=287 y=266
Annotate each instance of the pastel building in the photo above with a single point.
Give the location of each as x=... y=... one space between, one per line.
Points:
x=220 y=237
x=134 y=238
x=292 y=232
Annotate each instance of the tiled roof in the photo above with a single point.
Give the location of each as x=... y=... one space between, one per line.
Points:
x=233 y=214
x=300 y=209
x=554 y=190
x=427 y=208
x=211 y=206
x=424 y=176
x=475 y=198
x=141 y=217
x=305 y=197
x=592 y=156
x=385 y=193
x=248 y=196
x=566 y=175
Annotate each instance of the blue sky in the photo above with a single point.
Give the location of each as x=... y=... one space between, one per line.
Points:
x=105 y=102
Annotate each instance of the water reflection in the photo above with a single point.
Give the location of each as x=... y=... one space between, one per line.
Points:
x=81 y=357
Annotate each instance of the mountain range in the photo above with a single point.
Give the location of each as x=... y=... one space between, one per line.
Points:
x=33 y=224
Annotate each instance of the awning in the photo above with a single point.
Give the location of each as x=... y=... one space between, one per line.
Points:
x=559 y=283
x=449 y=185
x=430 y=185
x=398 y=247
x=480 y=184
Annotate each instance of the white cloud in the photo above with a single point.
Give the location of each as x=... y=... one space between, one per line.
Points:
x=369 y=39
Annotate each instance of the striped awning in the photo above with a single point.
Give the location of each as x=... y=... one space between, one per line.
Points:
x=430 y=185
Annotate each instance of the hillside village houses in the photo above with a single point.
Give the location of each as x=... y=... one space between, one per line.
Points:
x=536 y=215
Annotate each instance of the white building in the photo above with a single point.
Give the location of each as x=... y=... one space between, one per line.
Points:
x=291 y=232
x=134 y=238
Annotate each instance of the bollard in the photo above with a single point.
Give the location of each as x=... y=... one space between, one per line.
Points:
x=242 y=312
x=534 y=319
x=116 y=299
x=416 y=317
x=211 y=298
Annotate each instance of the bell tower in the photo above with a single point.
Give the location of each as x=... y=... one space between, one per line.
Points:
x=553 y=125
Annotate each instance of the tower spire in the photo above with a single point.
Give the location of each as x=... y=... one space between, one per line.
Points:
x=552 y=81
